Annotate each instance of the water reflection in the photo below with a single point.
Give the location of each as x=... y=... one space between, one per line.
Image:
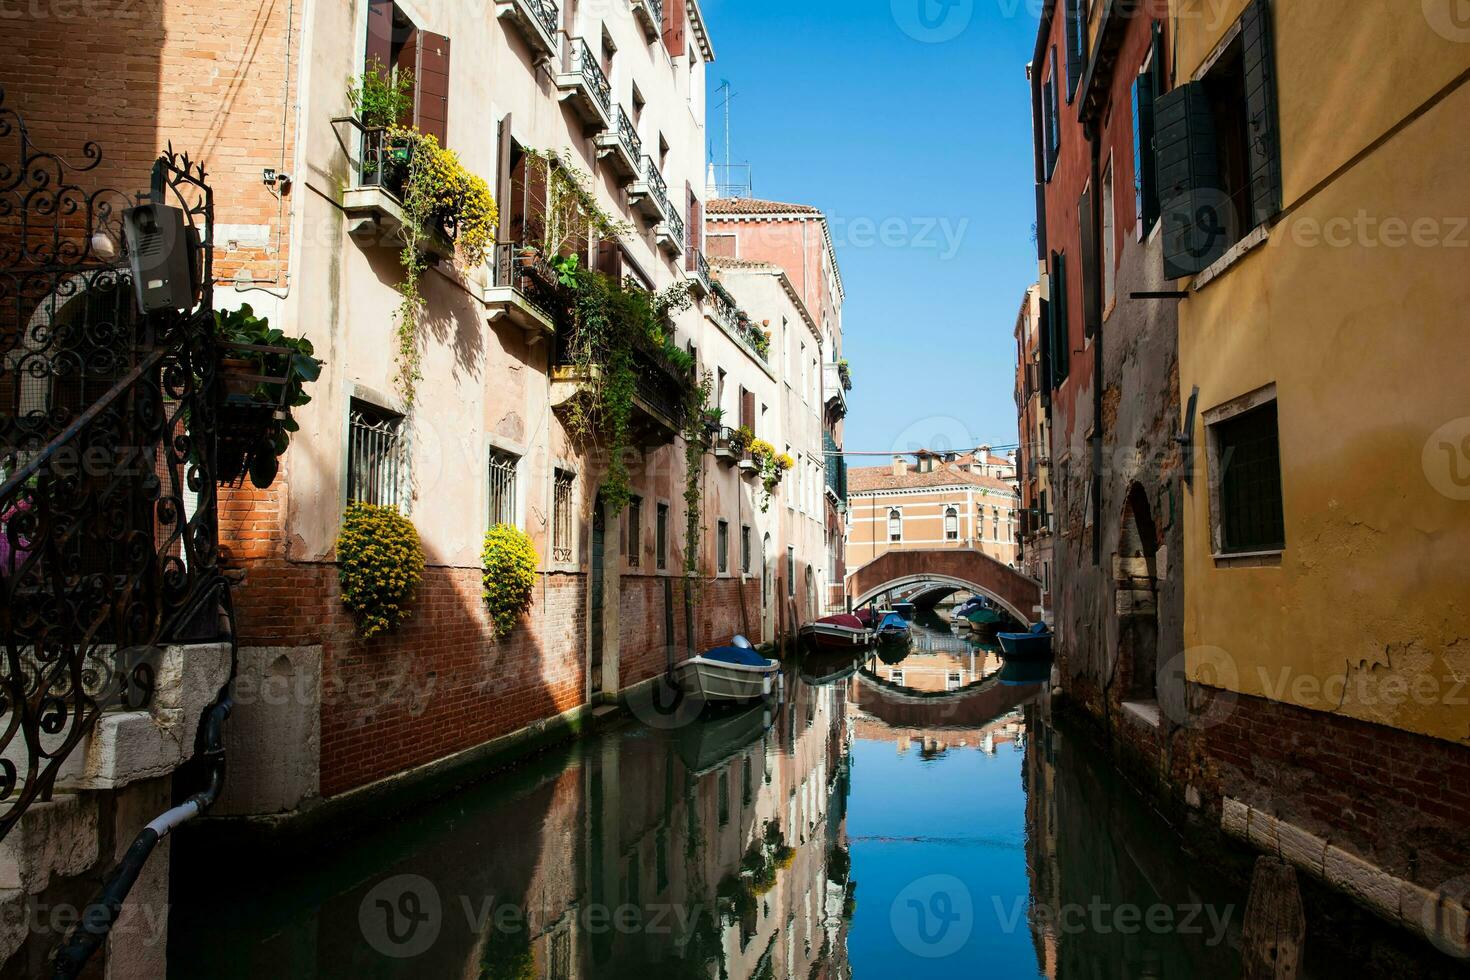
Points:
x=861 y=827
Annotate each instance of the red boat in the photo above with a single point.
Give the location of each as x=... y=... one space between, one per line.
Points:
x=842 y=632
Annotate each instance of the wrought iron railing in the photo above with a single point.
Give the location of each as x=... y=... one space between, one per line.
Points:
x=656 y=8
x=108 y=516
x=525 y=269
x=658 y=383
x=383 y=158
x=546 y=13
x=676 y=227
x=628 y=135
x=656 y=185
x=737 y=321
x=580 y=60
x=699 y=265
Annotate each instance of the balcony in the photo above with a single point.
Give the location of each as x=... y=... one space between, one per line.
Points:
x=649 y=194
x=736 y=322
x=669 y=234
x=834 y=389
x=700 y=282
x=658 y=394
x=650 y=17
x=374 y=202
x=836 y=467
x=520 y=282
x=536 y=21
x=621 y=147
x=584 y=86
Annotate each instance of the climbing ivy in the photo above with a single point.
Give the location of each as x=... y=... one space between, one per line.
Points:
x=696 y=444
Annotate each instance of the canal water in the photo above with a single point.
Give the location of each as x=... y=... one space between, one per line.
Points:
x=905 y=816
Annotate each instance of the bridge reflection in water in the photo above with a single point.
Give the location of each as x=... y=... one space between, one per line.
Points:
x=788 y=841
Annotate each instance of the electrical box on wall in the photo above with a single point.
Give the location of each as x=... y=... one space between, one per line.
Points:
x=161 y=249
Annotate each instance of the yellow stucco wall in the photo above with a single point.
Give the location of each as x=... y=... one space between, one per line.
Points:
x=1358 y=309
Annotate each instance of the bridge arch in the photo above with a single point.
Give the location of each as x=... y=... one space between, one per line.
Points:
x=966 y=568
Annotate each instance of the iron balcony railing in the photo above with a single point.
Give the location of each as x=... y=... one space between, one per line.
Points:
x=656 y=185
x=656 y=8
x=628 y=135
x=546 y=12
x=657 y=382
x=583 y=62
x=699 y=265
x=384 y=159
x=676 y=225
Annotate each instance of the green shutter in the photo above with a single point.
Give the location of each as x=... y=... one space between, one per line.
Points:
x=1091 y=268
x=1046 y=330
x=1193 y=208
x=1076 y=30
x=1146 y=90
x=1260 y=100
x=1061 y=342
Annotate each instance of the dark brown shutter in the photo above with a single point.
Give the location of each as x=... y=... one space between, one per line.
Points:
x=1191 y=204
x=379 y=33
x=505 y=178
x=674 y=26
x=1076 y=28
x=693 y=228
x=610 y=259
x=1091 y=268
x=747 y=409
x=431 y=86
x=1260 y=100
x=406 y=62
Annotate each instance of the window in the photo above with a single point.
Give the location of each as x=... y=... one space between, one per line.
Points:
x=633 y=547
x=895 y=525
x=1076 y=31
x=954 y=680
x=745 y=549
x=895 y=676
x=1145 y=163
x=1217 y=142
x=1051 y=117
x=561 y=517
x=502 y=498
x=1108 y=273
x=790 y=571
x=376 y=470
x=661 y=537
x=722 y=546
x=951 y=524
x=1247 y=481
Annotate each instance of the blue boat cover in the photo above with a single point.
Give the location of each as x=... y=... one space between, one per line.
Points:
x=739 y=656
x=894 y=621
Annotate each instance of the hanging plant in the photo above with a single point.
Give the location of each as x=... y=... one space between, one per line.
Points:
x=380 y=565
x=696 y=444
x=845 y=373
x=510 y=576
x=773 y=467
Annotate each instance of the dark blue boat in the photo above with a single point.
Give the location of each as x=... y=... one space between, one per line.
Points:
x=1035 y=644
x=893 y=629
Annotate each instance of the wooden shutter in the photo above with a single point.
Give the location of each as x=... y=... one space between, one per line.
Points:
x=675 y=18
x=431 y=86
x=1061 y=344
x=610 y=259
x=1040 y=221
x=1260 y=99
x=693 y=228
x=504 y=177
x=1145 y=162
x=1076 y=30
x=1045 y=349
x=406 y=62
x=1193 y=207
x=747 y=409
x=379 y=33
x=1091 y=268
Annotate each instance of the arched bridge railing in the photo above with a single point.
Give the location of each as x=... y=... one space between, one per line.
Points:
x=962 y=568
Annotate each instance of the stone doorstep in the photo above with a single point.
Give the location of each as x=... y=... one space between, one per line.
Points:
x=54 y=837
x=1440 y=917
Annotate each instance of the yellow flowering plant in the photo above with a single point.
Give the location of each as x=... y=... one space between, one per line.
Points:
x=380 y=564
x=509 y=580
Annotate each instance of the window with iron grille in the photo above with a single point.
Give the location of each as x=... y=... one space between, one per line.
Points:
x=722 y=546
x=502 y=498
x=895 y=525
x=561 y=517
x=745 y=549
x=951 y=524
x=376 y=470
x=634 y=544
x=661 y=537
x=1248 y=454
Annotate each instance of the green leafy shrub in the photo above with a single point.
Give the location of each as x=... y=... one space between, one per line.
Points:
x=381 y=97
x=510 y=575
x=380 y=563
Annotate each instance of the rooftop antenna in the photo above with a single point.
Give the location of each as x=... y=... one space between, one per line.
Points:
x=727 y=97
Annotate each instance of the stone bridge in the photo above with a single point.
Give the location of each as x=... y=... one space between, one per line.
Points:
x=953 y=569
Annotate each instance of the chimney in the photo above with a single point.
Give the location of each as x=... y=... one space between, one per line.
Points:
x=900 y=466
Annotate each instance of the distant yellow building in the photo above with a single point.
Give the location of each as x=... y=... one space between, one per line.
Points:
x=1314 y=173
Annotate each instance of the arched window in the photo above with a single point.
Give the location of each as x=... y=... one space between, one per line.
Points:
x=951 y=524
x=895 y=525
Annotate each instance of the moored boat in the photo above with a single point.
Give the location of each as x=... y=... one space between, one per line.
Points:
x=841 y=632
x=1034 y=644
x=894 y=630
x=731 y=673
x=907 y=610
x=985 y=620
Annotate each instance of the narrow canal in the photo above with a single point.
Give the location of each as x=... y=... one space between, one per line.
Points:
x=913 y=816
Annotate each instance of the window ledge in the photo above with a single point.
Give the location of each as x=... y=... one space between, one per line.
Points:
x=1255 y=239
x=1248 y=559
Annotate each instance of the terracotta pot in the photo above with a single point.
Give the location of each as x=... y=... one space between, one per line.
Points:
x=230 y=369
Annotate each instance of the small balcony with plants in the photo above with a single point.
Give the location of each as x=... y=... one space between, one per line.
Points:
x=732 y=446
x=584 y=86
x=621 y=147
x=728 y=315
x=696 y=271
x=836 y=383
x=649 y=194
x=536 y=22
x=669 y=234
x=522 y=289
x=650 y=17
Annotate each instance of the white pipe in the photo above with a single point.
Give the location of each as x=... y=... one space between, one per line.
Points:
x=169 y=819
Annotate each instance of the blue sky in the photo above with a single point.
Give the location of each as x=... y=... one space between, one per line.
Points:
x=908 y=122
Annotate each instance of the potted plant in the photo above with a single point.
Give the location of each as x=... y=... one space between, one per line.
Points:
x=713 y=421
x=740 y=441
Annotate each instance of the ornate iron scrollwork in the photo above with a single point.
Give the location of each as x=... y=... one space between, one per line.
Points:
x=108 y=518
